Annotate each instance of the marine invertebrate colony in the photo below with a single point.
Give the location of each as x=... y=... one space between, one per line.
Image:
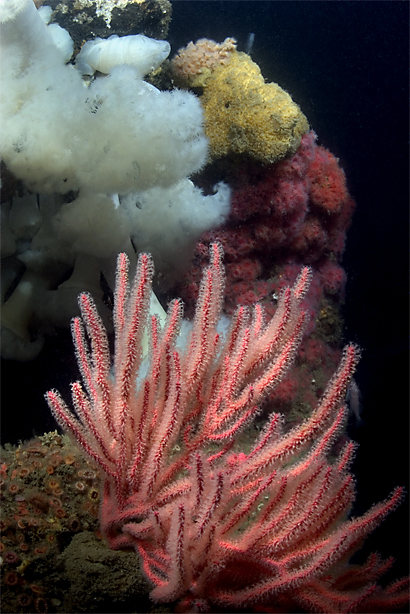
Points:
x=98 y=162
x=60 y=136
x=214 y=525
x=41 y=511
x=296 y=211
x=243 y=114
x=282 y=217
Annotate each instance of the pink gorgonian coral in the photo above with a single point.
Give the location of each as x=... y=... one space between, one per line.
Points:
x=261 y=527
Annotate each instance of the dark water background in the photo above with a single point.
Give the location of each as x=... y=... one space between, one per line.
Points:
x=347 y=65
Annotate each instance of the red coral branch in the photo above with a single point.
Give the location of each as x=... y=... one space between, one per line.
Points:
x=264 y=530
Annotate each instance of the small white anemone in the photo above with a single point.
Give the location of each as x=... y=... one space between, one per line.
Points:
x=146 y=54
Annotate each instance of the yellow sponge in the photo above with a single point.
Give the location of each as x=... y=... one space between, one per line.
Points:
x=243 y=114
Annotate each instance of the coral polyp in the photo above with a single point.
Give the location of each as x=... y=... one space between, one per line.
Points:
x=40 y=515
